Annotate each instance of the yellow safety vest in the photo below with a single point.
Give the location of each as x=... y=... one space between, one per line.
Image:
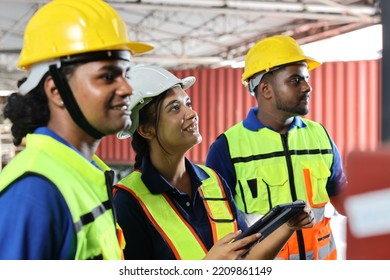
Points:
x=272 y=169
x=172 y=226
x=83 y=187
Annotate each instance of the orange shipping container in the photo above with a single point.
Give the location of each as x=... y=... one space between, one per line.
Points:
x=345 y=98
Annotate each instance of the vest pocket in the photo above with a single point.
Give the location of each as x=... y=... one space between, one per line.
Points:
x=273 y=187
x=315 y=177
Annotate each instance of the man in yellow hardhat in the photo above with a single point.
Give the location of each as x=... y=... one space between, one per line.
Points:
x=275 y=156
x=55 y=200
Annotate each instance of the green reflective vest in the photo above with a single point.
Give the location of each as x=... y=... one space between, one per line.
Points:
x=172 y=226
x=272 y=169
x=83 y=187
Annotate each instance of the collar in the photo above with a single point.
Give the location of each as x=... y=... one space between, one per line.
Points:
x=252 y=123
x=157 y=184
x=47 y=131
x=43 y=130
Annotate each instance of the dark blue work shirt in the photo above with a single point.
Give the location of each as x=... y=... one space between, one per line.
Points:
x=143 y=242
x=218 y=156
x=35 y=221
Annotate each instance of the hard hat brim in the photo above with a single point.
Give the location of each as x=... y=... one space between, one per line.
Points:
x=139 y=47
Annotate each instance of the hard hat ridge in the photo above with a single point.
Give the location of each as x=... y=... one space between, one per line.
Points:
x=67 y=27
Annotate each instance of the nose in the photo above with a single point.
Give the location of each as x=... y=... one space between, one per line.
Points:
x=124 y=88
x=306 y=86
x=191 y=114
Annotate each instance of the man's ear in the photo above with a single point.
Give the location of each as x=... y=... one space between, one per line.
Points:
x=146 y=131
x=265 y=89
x=52 y=92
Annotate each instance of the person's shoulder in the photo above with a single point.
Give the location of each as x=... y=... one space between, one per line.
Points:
x=303 y=122
x=218 y=146
x=237 y=125
x=221 y=139
x=35 y=207
x=33 y=186
x=35 y=192
x=123 y=196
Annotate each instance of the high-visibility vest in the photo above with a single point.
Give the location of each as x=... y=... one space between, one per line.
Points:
x=272 y=169
x=83 y=187
x=181 y=237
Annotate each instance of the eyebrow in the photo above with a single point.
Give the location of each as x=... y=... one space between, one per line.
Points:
x=171 y=102
x=115 y=68
x=177 y=100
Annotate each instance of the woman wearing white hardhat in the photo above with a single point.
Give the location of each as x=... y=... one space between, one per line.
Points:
x=54 y=195
x=170 y=208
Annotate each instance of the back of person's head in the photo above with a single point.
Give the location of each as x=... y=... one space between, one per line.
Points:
x=150 y=84
x=64 y=34
x=26 y=112
x=272 y=53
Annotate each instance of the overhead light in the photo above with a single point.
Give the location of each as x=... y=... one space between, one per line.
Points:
x=362 y=44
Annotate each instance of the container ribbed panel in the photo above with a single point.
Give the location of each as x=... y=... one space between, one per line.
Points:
x=345 y=99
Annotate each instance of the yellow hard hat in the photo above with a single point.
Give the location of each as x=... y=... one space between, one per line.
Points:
x=68 y=27
x=274 y=51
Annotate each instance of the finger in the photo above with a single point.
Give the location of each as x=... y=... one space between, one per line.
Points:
x=309 y=221
x=302 y=220
x=229 y=237
x=245 y=242
x=297 y=219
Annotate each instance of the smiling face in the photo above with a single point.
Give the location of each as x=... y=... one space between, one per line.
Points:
x=102 y=93
x=178 y=124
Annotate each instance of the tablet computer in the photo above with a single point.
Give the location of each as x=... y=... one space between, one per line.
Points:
x=273 y=219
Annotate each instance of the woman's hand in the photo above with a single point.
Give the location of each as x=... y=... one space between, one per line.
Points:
x=226 y=249
x=304 y=219
x=268 y=248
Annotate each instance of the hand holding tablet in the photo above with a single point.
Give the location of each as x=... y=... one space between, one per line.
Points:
x=274 y=218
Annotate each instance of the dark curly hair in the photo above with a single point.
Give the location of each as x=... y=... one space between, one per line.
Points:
x=30 y=111
x=27 y=112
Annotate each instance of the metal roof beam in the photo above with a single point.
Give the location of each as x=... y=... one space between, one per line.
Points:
x=262 y=8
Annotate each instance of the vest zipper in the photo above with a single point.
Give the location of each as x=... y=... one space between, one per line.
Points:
x=109 y=175
x=301 y=242
x=289 y=167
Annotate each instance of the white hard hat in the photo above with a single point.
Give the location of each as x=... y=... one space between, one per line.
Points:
x=147 y=82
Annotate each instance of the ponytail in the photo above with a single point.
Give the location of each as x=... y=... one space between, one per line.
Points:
x=27 y=112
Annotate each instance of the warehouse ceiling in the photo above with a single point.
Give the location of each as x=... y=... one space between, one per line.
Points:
x=201 y=33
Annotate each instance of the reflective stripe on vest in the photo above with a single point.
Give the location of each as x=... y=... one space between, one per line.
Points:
x=83 y=187
x=172 y=226
x=272 y=169
x=217 y=205
x=265 y=169
x=319 y=244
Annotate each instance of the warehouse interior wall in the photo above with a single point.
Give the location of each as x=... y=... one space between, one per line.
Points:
x=346 y=99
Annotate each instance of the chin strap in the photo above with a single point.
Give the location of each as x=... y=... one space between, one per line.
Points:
x=71 y=104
